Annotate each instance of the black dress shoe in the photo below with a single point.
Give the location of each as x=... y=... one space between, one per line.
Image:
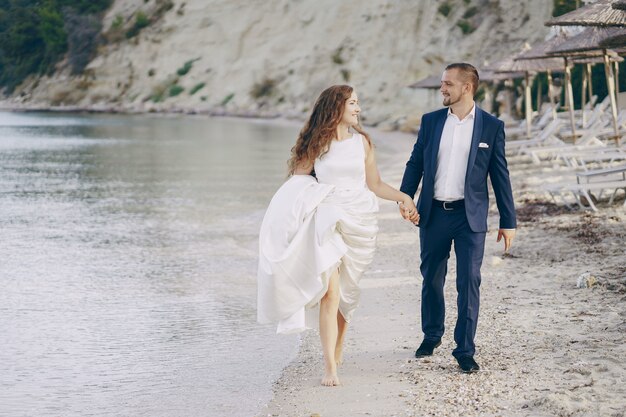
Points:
x=467 y=364
x=426 y=348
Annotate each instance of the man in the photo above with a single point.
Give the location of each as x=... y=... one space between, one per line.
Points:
x=456 y=149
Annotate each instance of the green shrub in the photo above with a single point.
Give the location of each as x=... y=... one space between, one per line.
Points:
x=158 y=95
x=33 y=40
x=83 y=36
x=163 y=6
x=470 y=12
x=84 y=6
x=466 y=27
x=265 y=88
x=445 y=9
x=53 y=34
x=141 y=21
x=185 y=68
x=345 y=74
x=34 y=36
x=336 y=57
x=227 y=99
x=176 y=90
x=163 y=90
x=117 y=23
x=116 y=31
x=195 y=88
x=151 y=72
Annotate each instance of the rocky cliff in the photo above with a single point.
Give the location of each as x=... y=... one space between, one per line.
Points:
x=266 y=57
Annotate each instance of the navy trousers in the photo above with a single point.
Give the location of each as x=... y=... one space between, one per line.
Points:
x=445 y=227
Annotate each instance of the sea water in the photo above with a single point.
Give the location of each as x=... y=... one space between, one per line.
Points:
x=128 y=254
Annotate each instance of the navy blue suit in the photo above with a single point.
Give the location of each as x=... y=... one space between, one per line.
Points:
x=466 y=226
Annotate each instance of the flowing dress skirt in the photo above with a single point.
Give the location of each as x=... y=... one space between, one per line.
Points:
x=310 y=230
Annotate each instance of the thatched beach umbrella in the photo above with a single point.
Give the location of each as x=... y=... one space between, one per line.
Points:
x=597 y=59
x=512 y=64
x=601 y=13
x=615 y=40
x=587 y=84
x=614 y=57
x=430 y=82
x=587 y=43
x=492 y=76
x=539 y=53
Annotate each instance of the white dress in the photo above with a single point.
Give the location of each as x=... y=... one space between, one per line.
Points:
x=310 y=229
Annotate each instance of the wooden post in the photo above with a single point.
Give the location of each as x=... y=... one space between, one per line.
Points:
x=589 y=66
x=569 y=96
x=617 y=84
x=583 y=100
x=529 y=104
x=610 y=83
x=551 y=95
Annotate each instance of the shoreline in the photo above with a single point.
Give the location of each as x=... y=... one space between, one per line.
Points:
x=295 y=118
x=137 y=110
x=546 y=348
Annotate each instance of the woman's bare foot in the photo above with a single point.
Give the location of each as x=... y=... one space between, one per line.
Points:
x=330 y=379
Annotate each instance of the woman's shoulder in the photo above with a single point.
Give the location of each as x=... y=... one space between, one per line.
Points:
x=367 y=145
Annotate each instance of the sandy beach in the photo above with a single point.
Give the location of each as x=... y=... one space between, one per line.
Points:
x=546 y=347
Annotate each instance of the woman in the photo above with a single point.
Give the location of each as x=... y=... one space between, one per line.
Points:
x=318 y=234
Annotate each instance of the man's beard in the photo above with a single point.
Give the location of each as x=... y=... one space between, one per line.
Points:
x=447 y=101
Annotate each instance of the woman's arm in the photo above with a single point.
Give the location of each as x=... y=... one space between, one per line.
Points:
x=378 y=186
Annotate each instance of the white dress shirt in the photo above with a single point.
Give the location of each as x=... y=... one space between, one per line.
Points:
x=454 y=149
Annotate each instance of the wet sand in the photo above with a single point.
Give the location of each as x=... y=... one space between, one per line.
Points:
x=546 y=347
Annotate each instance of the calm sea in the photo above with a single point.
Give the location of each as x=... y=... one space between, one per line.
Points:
x=128 y=250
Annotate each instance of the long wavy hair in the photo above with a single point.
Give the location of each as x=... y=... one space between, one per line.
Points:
x=321 y=128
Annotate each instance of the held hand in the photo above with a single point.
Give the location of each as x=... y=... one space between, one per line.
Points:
x=408 y=211
x=403 y=210
x=508 y=235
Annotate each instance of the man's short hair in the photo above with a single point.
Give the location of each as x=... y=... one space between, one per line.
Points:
x=468 y=72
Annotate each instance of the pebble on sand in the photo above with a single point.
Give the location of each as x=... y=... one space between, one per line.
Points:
x=586 y=280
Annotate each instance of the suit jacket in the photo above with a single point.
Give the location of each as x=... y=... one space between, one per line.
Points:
x=486 y=159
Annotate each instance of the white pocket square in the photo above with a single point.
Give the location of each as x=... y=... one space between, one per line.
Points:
x=483 y=145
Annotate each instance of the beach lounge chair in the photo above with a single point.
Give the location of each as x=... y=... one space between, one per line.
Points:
x=602 y=157
x=610 y=174
x=580 y=191
x=561 y=150
x=537 y=125
x=547 y=136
